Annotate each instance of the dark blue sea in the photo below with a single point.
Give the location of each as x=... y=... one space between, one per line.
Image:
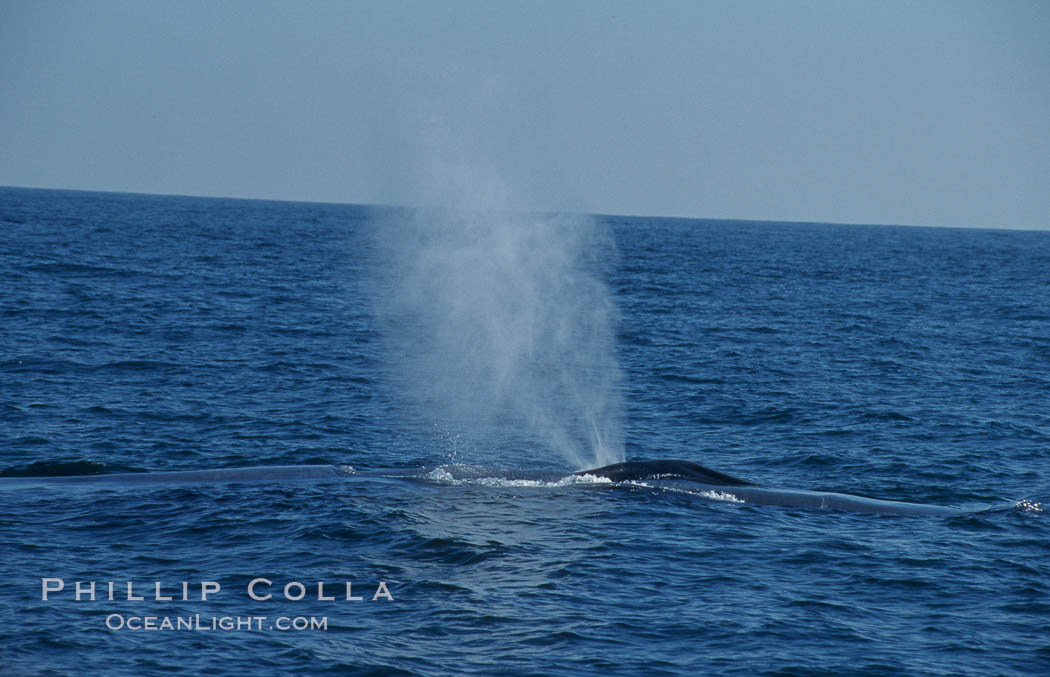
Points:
x=451 y=364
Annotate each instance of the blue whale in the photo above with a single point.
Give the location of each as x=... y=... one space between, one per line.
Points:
x=683 y=476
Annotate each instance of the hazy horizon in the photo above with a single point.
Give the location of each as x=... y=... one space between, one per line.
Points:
x=389 y=205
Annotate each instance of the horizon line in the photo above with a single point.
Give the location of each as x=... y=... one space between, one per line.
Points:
x=673 y=217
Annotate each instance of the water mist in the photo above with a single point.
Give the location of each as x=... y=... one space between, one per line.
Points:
x=498 y=324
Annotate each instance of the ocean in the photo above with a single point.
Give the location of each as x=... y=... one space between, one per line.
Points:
x=454 y=365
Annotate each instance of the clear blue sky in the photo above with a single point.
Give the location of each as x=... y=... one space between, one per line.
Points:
x=928 y=113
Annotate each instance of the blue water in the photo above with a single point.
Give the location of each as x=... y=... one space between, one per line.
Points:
x=145 y=333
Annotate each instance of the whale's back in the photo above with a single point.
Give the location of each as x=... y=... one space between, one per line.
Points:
x=667 y=469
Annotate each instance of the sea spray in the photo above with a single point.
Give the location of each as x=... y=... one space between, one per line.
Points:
x=499 y=325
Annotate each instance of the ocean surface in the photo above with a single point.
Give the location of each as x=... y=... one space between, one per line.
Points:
x=155 y=333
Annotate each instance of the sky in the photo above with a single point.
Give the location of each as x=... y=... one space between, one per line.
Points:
x=922 y=113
